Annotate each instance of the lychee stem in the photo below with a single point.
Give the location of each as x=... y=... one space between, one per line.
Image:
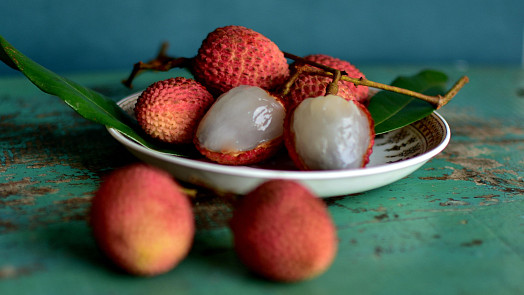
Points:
x=332 y=87
x=295 y=73
x=437 y=101
x=452 y=92
x=312 y=63
x=162 y=62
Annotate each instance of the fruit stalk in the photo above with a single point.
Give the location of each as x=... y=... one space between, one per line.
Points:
x=162 y=62
x=332 y=87
x=437 y=101
x=453 y=91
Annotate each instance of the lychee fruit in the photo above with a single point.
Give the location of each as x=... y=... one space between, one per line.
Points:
x=283 y=232
x=329 y=133
x=234 y=55
x=170 y=110
x=142 y=220
x=244 y=126
x=310 y=85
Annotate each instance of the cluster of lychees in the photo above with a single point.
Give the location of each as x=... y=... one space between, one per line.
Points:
x=260 y=106
x=242 y=106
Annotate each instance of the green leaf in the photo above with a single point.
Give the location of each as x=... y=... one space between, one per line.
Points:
x=391 y=111
x=88 y=103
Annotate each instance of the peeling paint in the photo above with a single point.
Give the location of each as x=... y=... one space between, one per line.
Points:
x=488 y=200
x=12 y=271
x=452 y=202
x=472 y=243
x=474 y=162
x=212 y=211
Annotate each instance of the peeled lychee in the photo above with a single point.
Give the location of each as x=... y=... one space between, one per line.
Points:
x=234 y=55
x=244 y=126
x=309 y=85
x=170 y=110
x=142 y=220
x=283 y=232
x=329 y=133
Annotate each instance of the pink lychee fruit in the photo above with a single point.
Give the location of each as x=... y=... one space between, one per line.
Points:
x=170 y=110
x=244 y=126
x=234 y=55
x=142 y=220
x=329 y=133
x=283 y=232
x=309 y=85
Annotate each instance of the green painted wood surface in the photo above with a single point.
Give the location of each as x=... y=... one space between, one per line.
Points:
x=455 y=226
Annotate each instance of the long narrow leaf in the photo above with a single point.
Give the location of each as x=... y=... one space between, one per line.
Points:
x=88 y=103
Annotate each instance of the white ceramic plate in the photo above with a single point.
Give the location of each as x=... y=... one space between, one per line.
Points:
x=395 y=155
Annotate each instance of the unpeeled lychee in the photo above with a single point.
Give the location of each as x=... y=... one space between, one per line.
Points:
x=234 y=55
x=310 y=85
x=142 y=220
x=329 y=133
x=283 y=232
x=244 y=126
x=170 y=110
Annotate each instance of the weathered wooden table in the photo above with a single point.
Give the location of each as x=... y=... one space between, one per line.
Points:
x=455 y=226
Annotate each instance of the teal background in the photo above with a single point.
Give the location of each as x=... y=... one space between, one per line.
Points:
x=70 y=36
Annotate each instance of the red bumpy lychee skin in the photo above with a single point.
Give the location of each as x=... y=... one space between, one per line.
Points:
x=234 y=55
x=170 y=110
x=142 y=220
x=308 y=85
x=283 y=232
x=361 y=92
x=256 y=155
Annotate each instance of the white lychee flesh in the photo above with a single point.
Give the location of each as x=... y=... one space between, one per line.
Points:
x=330 y=133
x=240 y=120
